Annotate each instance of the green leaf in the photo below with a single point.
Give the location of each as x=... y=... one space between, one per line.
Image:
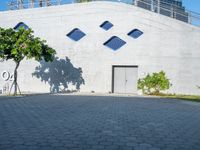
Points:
x=153 y=84
x=17 y=45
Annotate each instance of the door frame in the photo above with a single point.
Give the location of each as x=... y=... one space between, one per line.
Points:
x=113 y=73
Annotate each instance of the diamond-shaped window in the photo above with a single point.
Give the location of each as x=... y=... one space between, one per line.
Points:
x=106 y=25
x=76 y=34
x=114 y=43
x=21 y=25
x=135 y=33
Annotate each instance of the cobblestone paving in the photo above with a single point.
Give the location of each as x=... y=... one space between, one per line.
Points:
x=59 y=122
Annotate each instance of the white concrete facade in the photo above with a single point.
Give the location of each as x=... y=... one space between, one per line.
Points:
x=167 y=44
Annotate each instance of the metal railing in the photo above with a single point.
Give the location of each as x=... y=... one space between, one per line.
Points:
x=156 y=6
x=15 y=5
x=170 y=10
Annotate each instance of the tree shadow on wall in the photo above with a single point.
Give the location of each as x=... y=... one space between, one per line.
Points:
x=59 y=74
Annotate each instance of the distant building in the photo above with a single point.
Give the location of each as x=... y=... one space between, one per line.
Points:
x=171 y=8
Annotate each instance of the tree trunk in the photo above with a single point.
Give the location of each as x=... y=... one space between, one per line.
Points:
x=15 y=78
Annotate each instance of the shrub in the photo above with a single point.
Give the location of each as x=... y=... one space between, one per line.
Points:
x=152 y=84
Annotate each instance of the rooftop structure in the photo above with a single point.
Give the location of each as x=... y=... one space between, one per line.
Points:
x=170 y=8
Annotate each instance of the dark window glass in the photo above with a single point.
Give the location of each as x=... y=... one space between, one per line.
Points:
x=135 y=33
x=106 y=25
x=114 y=43
x=76 y=34
x=20 y=25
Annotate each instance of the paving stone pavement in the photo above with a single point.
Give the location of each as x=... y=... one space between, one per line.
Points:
x=63 y=122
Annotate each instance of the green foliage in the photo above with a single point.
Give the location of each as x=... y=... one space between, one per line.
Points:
x=153 y=84
x=17 y=45
x=195 y=98
x=20 y=44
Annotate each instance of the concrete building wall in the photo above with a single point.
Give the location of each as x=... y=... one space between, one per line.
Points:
x=167 y=44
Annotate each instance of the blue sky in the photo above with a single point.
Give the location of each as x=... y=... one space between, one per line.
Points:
x=193 y=5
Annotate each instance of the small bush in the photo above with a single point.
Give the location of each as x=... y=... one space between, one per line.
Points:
x=153 y=84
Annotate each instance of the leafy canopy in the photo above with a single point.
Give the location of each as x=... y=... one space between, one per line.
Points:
x=17 y=45
x=153 y=84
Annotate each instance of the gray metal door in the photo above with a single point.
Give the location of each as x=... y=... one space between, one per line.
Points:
x=125 y=79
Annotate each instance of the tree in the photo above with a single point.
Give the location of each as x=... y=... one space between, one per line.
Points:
x=153 y=84
x=20 y=44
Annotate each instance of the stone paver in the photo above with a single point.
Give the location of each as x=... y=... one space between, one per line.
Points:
x=61 y=122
